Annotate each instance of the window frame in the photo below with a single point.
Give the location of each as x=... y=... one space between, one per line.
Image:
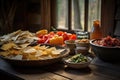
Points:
x=69 y=25
x=45 y=11
x=107 y=20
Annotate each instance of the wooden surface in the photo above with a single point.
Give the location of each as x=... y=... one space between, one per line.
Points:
x=97 y=70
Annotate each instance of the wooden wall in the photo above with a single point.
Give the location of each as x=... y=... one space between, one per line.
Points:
x=117 y=19
x=107 y=17
x=28 y=15
x=31 y=15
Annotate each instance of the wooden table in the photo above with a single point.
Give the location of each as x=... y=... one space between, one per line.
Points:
x=97 y=70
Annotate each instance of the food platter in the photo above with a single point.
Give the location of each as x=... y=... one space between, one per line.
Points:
x=21 y=48
x=34 y=63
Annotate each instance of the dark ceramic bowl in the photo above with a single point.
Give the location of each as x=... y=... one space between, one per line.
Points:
x=71 y=45
x=109 y=54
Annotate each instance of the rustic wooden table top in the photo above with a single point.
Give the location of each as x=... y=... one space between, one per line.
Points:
x=97 y=70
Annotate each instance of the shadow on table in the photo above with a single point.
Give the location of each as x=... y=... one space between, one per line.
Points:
x=29 y=70
x=37 y=69
x=8 y=76
x=82 y=71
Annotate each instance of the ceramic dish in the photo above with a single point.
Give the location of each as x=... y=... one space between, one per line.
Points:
x=79 y=65
x=109 y=54
x=71 y=45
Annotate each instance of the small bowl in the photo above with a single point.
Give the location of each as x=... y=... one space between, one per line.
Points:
x=71 y=45
x=82 y=43
x=77 y=65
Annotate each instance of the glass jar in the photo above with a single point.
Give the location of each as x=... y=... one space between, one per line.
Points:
x=96 y=32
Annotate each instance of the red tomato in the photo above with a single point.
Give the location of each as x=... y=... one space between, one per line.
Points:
x=40 y=35
x=73 y=37
x=46 y=36
x=52 y=33
x=69 y=35
x=65 y=36
x=41 y=40
x=60 y=33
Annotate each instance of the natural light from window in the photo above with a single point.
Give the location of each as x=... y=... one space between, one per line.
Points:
x=77 y=13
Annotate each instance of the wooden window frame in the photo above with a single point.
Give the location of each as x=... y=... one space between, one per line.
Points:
x=107 y=15
x=49 y=7
x=45 y=14
x=69 y=15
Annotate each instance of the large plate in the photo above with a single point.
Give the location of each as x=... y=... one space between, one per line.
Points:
x=31 y=63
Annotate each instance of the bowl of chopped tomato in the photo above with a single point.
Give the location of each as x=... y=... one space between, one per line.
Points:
x=106 y=49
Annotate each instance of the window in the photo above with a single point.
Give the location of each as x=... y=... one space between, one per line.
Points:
x=94 y=12
x=77 y=14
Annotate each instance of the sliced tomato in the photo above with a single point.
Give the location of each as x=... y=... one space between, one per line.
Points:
x=41 y=40
x=73 y=37
x=59 y=33
x=65 y=36
x=46 y=36
x=52 y=33
x=69 y=35
x=40 y=35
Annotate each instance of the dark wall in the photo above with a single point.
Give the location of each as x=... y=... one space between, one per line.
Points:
x=117 y=19
x=19 y=14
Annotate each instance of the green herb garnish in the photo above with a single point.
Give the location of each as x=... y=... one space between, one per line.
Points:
x=78 y=58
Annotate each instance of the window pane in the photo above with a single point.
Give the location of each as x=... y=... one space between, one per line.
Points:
x=62 y=12
x=94 y=12
x=78 y=14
